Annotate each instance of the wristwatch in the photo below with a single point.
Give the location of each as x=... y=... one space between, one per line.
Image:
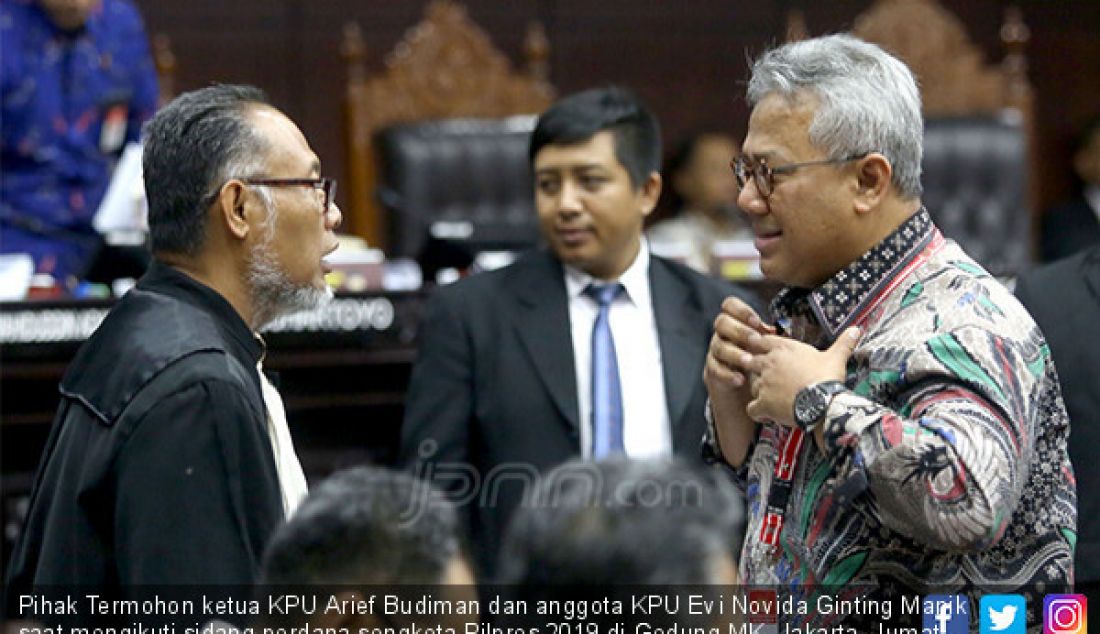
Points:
x=812 y=401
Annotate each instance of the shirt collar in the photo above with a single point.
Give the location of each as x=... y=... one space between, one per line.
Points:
x=635 y=279
x=835 y=303
x=168 y=280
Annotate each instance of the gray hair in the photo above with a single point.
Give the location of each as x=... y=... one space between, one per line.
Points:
x=192 y=146
x=869 y=101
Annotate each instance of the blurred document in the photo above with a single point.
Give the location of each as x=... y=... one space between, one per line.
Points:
x=123 y=207
x=16 y=270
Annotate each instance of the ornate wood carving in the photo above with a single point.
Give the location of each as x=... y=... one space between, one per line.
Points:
x=796 y=26
x=953 y=76
x=1014 y=36
x=444 y=67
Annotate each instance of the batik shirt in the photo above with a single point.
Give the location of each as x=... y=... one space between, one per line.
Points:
x=71 y=101
x=945 y=467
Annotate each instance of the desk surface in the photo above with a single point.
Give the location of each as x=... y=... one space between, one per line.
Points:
x=75 y=320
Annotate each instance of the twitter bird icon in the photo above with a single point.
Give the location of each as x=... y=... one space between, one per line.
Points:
x=1003 y=614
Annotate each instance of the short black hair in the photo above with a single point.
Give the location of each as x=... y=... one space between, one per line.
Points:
x=191 y=145
x=579 y=117
x=365 y=526
x=620 y=521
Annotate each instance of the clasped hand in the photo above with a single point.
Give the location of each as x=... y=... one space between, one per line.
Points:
x=750 y=366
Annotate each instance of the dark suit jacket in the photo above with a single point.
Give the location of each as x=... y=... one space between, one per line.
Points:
x=1064 y=298
x=492 y=401
x=1069 y=229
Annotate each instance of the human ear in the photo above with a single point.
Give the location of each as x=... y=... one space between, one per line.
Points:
x=650 y=192
x=873 y=181
x=231 y=207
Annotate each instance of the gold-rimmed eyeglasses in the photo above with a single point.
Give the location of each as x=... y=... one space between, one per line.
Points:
x=762 y=173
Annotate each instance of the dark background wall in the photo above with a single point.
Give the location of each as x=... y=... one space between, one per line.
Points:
x=687 y=58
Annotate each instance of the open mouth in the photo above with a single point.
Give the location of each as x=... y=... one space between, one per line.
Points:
x=326 y=266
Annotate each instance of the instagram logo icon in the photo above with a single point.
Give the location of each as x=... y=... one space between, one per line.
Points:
x=1065 y=614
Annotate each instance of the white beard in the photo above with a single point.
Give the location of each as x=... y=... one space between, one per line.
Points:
x=273 y=295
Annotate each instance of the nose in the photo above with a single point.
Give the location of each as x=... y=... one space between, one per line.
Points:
x=333 y=217
x=569 y=200
x=750 y=200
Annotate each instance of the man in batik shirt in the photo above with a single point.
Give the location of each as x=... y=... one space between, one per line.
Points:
x=900 y=424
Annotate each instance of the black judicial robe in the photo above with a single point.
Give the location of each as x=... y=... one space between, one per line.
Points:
x=159 y=467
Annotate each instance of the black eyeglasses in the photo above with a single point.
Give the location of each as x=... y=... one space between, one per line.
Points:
x=762 y=173
x=325 y=187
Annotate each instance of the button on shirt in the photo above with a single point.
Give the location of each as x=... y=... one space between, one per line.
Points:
x=646 y=428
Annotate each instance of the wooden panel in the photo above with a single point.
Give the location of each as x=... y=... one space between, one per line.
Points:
x=687 y=59
x=684 y=59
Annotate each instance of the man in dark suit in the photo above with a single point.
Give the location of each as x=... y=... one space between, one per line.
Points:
x=1064 y=299
x=504 y=387
x=1075 y=225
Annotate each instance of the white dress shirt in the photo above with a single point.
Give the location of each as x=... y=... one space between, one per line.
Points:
x=292 y=480
x=646 y=429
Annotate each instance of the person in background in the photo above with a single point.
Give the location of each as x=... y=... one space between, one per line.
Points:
x=704 y=198
x=1075 y=225
x=898 y=425
x=622 y=521
x=1064 y=297
x=589 y=349
x=596 y=532
x=170 y=460
x=368 y=528
x=77 y=82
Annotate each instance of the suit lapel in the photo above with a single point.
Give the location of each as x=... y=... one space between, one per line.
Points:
x=682 y=348
x=542 y=324
x=1090 y=266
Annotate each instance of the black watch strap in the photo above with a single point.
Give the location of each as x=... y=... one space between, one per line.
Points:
x=812 y=404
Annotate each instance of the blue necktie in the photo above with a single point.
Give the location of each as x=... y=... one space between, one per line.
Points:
x=607 y=397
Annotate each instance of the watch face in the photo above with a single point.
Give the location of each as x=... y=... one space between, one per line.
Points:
x=808 y=407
